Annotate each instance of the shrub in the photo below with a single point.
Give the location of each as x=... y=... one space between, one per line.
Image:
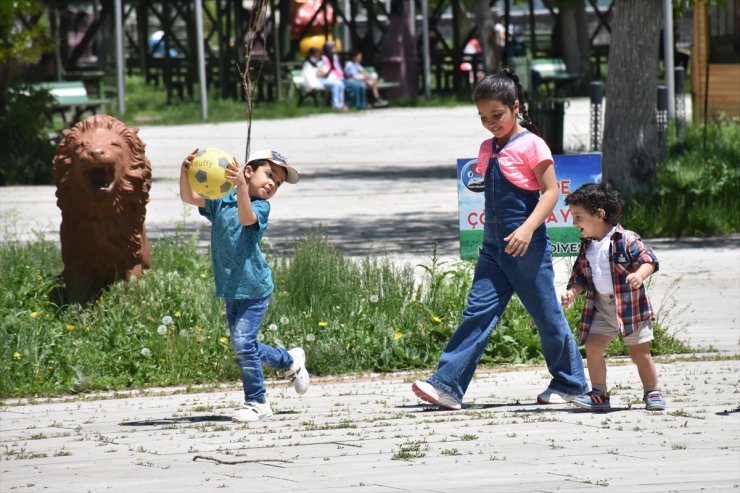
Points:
x=28 y=150
x=698 y=187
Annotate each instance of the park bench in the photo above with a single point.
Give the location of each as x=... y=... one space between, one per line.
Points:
x=297 y=81
x=298 y=84
x=71 y=101
x=382 y=83
x=552 y=74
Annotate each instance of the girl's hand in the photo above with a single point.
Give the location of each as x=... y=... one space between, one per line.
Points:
x=634 y=280
x=518 y=241
x=234 y=174
x=189 y=160
x=567 y=298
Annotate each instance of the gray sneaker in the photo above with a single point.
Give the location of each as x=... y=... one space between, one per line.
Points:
x=298 y=371
x=253 y=411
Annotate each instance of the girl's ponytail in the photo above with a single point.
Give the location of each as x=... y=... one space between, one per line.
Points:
x=523 y=104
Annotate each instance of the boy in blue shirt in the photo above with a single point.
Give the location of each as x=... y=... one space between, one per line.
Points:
x=242 y=275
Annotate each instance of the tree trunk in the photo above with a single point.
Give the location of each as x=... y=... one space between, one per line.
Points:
x=575 y=42
x=485 y=23
x=630 y=146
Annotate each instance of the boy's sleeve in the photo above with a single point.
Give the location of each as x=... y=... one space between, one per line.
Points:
x=209 y=210
x=640 y=253
x=577 y=276
x=261 y=209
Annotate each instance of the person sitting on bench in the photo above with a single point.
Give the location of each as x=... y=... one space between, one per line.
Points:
x=353 y=69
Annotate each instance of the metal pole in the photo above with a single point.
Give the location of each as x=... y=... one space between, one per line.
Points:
x=662 y=120
x=201 y=60
x=680 y=101
x=425 y=42
x=118 y=19
x=412 y=19
x=668 y=56
x=596 y=91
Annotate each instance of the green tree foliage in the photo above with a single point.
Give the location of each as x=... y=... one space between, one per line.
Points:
x=23 y=39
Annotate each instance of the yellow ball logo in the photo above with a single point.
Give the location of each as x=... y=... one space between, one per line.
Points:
x=207 y=173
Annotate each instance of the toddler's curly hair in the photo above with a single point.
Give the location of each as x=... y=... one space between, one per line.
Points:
x=595 y=196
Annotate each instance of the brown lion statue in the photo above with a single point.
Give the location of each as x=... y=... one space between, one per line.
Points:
x=103 y=180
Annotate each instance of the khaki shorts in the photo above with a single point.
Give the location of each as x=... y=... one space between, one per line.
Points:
x=605 y=322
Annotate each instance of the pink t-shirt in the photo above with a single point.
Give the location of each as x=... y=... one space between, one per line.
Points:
x=517 y=159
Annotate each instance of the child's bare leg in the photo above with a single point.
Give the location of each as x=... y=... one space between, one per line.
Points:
x=374 y=88
x=641 y=357
x=595 y=347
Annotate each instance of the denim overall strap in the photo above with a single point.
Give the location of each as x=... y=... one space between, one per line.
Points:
x=507 y=206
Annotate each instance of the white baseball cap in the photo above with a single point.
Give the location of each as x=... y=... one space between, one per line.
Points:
x=291 y=175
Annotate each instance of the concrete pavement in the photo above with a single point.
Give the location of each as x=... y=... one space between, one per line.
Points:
x=384 y=182
x=372 y=435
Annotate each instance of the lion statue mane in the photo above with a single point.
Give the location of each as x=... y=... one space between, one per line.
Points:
x=103 y=180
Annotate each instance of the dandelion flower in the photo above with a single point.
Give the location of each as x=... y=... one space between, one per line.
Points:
x=184 y=332
x=397 y=335
x=260 y=337
x=198 y=328
x=70 y=327
x=223 y=340
x=373 y=298
x=166 y=320
x=162 y=329
x=34 y=314
x=146 y=352
x=17 y=355
x=323 y=324
x=177 y=314
x=272 y=327
x=202 y=276
x=284 y=320
x=436 y=320
x=310 y=337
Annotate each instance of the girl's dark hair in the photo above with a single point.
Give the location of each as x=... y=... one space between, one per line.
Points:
x=328 y=53
x=595 y=196
x=504 y=86
x=312 y=51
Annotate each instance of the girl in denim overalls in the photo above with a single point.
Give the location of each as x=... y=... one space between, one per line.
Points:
x=521 y=191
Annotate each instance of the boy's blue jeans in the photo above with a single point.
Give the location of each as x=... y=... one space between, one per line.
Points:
x=244 y=318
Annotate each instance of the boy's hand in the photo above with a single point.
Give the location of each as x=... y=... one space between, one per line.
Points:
x=568 y=298
x=635 y=280
x=234 y=174
x=189 y=160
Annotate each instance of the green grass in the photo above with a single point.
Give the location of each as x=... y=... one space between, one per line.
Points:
x=168 y=328
x=698 y=189
x=147 y=104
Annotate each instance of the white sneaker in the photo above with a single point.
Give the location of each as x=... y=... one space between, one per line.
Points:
x=551 y=396
x=298 y=371
x=253 y=411
x=428 y=392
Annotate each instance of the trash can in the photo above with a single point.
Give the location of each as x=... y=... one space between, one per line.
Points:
x=548 y=116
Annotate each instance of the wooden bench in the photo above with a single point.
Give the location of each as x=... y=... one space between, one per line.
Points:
x=552 y=73
x=71 y=101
